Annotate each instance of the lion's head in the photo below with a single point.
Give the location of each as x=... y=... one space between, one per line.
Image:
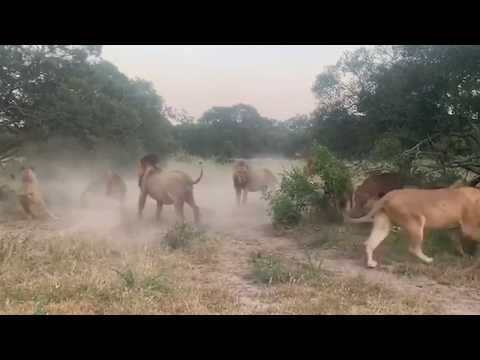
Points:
x=241 y=173
x=147 y=163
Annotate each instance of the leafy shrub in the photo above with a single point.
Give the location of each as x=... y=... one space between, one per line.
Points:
x=285 y=212
x=294 y=197
x=334 y=173
x=386 y=148
x=299 y=194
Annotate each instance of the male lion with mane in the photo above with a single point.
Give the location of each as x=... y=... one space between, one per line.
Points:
x=374 y=188
x=248 y=180
x=171 y=187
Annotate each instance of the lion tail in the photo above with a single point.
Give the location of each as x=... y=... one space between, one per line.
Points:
x=201 y=175
x=367 y=218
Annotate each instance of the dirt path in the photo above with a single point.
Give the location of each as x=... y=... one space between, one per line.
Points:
x=238 y=245
x=234 y=268
x=454 y=300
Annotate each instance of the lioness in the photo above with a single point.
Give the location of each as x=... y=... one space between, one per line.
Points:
x=417 y=211
x=248 y=180
x=31 y=196
x=109 y=184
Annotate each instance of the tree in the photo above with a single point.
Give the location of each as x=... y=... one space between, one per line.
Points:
x=49 y=91
x=426 y=97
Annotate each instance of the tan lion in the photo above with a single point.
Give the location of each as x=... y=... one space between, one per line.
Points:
x=109 y=184
x=248 y=180
x=166 y=187
x=416 y=211
x=31 y=196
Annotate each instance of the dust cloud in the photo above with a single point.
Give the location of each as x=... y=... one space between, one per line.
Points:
x=64 y=183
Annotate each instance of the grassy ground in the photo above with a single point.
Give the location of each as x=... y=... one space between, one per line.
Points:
x=43 y=273
x=232 y=267
x=304 y=288
x=448 y=267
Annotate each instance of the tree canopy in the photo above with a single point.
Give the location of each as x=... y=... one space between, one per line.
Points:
x=422 y=99
x=240 y=131
x=400 y=103
x=49 y=91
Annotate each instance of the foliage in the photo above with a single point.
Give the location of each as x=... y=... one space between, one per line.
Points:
x=333 y=172
x=294 y=197
x=387 y=148
x=421 y=101
x=240 y=131
x=299 y=194
x=70 y=92
x=414 y=106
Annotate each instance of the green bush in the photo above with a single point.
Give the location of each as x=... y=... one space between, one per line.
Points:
x=386 y=148
x=299 y=194
x=284 y=211
x=334 y=173
x=294 y=197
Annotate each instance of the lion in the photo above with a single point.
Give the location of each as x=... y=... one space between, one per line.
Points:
x=418 y=210
x=31 y=196
x=166 y=187
x=109 y=184
x=373 y=189
x=248 y=180
x=377 y=186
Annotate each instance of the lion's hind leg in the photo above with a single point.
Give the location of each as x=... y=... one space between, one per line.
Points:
x=456 y=238
x=190 y=200
x=381 y=229
x=415 y=233
x=26 y=203
x=245 y=196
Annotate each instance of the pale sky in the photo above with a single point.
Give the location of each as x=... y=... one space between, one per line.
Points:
x=275 y=79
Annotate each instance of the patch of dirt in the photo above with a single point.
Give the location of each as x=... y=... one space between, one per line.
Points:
x=455 y=300
x=238 y=245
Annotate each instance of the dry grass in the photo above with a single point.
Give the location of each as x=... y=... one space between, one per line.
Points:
x=43 y=272
x=448 y=268
x=182 y=271
x=349 y=296
x=307 y=289
x=82 y=274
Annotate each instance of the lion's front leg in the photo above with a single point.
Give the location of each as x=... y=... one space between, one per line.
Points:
x=238 y=192
x=245 y=195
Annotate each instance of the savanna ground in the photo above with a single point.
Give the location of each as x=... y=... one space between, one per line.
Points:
x=104 y=261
